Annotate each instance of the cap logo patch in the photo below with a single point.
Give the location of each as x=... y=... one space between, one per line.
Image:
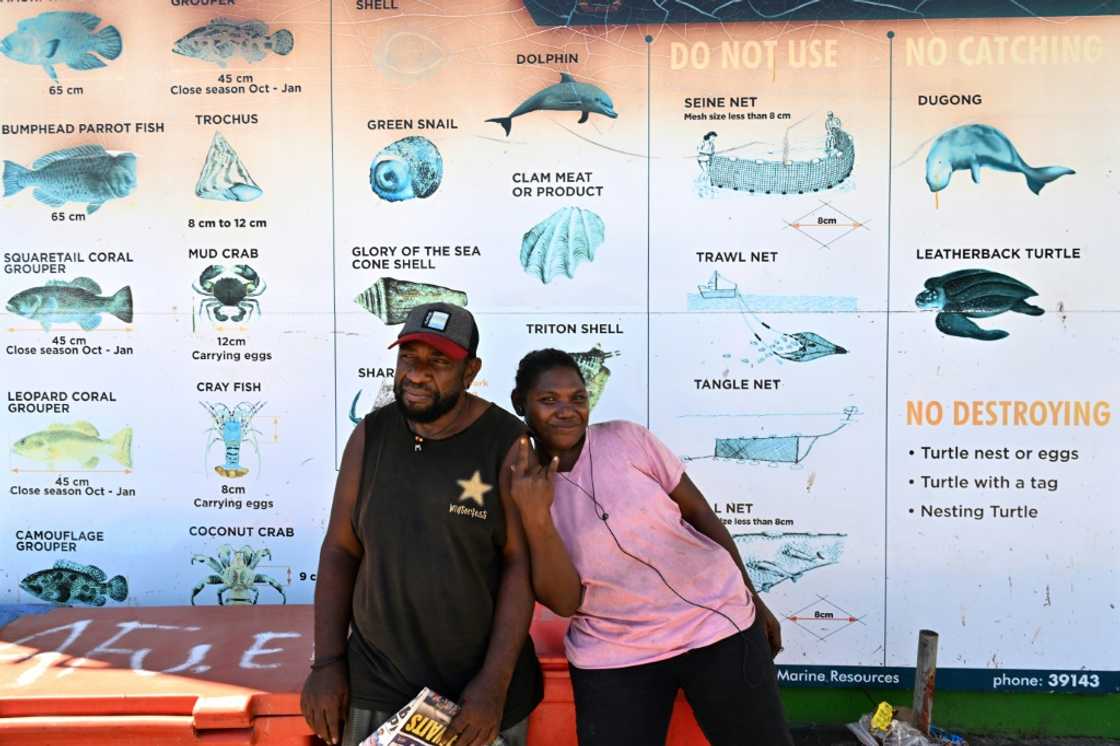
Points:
x=436 y=320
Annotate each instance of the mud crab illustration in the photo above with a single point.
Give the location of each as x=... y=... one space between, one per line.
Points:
x=223 y=290
x=236 y=573
x=233 y=427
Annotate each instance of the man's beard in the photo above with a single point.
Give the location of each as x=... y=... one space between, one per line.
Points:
x=440 y=405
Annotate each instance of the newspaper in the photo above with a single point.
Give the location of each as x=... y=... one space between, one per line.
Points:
x=422 y=722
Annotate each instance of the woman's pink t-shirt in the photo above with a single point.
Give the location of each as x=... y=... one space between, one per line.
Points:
x=628 y=616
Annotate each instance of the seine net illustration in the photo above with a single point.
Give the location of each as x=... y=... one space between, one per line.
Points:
x=62 y=38
x=976 y=146
x=75 y=443
x=222 y=39
x=974 y=294
x=232 y=428
x=567 y=95
x=773 y=557
x=85 y=174
x=792 y=448
x=828 y=168
x=235 y=572
x=78 y=301
x=68 y=583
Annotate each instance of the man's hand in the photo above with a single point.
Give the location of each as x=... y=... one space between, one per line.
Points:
x=324 y=701
x=771 y=626
x=531 y=484
x=480 y=714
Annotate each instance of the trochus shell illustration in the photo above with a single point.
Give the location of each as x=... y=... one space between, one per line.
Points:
x=595 y=372
x=390 y=300
x=410 y=167
x=560 y=242
x=224 y=176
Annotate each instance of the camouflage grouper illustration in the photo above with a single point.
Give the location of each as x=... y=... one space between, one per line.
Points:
x=71 y=583
x=222 y=38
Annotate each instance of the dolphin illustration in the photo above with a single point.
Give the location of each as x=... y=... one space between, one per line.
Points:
x=974 y=145
x=567 y=95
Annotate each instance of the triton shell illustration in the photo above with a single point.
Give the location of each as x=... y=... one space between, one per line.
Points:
x=410 y=167
x=223 y=175
x=595 y=373
x=977 y=145
x=390 y=300
x=560 y=242
x=975 y=294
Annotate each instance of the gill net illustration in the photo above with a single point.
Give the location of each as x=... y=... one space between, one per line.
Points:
x=776 y=449
x=787 y=176
x=773 y=557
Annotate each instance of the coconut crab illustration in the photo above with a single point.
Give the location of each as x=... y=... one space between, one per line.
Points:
x=236 y=573
x=223 y=289
x=233 y=427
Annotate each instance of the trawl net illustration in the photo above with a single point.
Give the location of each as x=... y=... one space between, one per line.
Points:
x=780 y=449
x=772 y=557
x=784 y=175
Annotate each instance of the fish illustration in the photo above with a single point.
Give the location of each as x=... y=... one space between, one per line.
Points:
x=87 y=173
x=79 y=442
x=974 y=146
x=222 y=38
x=62 y=38
x=80 y=300
x=567 y=95
x=69 y=582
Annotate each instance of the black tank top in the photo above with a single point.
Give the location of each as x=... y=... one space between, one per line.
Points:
x=432 y=528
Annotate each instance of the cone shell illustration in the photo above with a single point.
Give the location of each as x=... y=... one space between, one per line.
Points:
x=561 y=242
x=408 y=168
x=390 y=300
x=224 y=177
x=595 y=372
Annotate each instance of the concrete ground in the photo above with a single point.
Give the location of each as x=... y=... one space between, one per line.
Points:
x=839 y=736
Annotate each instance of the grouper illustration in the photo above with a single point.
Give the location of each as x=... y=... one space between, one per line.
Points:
x=567 y=95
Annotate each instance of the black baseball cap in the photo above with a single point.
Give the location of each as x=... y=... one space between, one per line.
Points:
x=448 y=328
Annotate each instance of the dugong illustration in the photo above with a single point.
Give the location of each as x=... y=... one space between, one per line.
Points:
x=974 y=145
x=567 y=95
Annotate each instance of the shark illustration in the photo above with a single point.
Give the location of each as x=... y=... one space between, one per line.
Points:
x=567 y=95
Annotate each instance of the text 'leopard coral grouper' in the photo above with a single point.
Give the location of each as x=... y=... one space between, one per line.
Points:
x=62 y=38
x=79 y=301
x=87 y=173
x=78 y=443
x=223 y=38
x=567 y=95
x=408 y=168
x=560 y=242
x=974 y=146
x=72 y=583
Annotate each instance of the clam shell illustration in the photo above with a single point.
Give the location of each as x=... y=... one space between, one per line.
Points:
x=224 y=177
x=410 y=167
x=560 y=242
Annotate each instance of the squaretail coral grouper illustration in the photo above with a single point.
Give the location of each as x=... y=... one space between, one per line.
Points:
x=79 y=300
x=62 y=38
x=86 y=173
x=222 y=38
x=77 y=443
x=72 y=583
x=236 y=573
x=567 y=95
x=974 y=146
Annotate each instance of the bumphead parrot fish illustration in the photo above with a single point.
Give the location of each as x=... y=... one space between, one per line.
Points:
x=567 y=95
x=87 y=173
x=975 y=145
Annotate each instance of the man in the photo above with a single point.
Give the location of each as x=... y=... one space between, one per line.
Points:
x=424 y=560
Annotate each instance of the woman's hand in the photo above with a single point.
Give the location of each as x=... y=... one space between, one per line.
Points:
x=531 y=484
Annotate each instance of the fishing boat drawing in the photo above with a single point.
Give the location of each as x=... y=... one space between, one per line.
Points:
x=718 y=286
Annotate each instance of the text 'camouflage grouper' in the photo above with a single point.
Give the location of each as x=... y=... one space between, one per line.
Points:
x=87 y=173
x=80 y=300
x=567 y=95
x=973 y=146
x=69 y=582
x=974 y=294
x=223 y=38
x=77 y=443
x=62 y=38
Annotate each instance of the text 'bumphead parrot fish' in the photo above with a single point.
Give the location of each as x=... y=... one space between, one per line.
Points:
x=62 y=38
x=87 y=173
x=973 y=146
x=567 y=95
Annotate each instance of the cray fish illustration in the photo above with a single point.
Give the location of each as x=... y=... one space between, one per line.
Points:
x=69 y=583
x=77 y=443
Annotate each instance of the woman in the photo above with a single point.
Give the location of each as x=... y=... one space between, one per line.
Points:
x=626 y=545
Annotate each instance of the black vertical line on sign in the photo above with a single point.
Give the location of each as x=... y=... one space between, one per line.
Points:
x=649 y=192
x=334 y=257
x=887 y=352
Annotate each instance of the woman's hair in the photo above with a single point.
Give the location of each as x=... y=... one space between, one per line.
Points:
x=536 y=363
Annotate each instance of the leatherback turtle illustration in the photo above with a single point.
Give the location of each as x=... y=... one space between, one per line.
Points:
x=975 y=294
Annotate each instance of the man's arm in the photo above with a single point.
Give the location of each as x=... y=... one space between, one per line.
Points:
x=483 y=701
x=695 y=509
x=326 y=693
